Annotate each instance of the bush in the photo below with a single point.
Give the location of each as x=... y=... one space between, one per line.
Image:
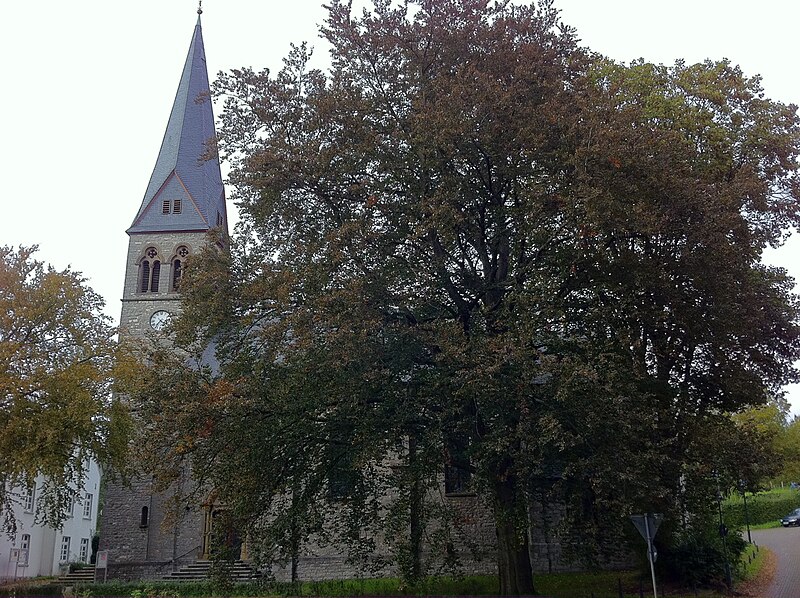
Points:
x=700 y=560
x=31 y=589
x=168 y=589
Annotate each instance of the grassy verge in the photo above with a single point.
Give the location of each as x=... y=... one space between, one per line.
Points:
x=556 y=585
x=752 y=562
x=559 y=585
x=768 y=525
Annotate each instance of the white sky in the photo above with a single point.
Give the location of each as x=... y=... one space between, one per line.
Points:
x=87 y=87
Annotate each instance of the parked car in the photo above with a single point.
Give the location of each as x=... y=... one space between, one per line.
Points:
x=792 y=518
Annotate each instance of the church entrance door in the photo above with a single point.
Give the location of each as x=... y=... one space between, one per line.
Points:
x=220 y=536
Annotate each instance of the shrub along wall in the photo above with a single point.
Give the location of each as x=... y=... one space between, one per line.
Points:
x=761 y=508
x=26 y=588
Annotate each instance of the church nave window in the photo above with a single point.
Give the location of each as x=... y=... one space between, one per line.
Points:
x=149 y=271
x=457 y=472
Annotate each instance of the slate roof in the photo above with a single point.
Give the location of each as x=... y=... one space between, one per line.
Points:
x=181 y=171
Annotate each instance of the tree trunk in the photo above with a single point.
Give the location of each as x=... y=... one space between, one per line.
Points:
x=294 y=539
x=511 y=521
x=416 y=515
x=295 y=554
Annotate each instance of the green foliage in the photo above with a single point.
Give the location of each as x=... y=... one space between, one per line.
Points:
x=758 y=454
x=33 y=588
x=562 y=585
x=764 y=507
x=57 y=352
x=770 y=525
x=788 y=444
x=158 y=589
x=700 y=559
x=751 y=563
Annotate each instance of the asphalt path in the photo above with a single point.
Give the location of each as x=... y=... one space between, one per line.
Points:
x=785 y=543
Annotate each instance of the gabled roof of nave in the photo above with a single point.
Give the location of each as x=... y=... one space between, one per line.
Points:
x=182 y=170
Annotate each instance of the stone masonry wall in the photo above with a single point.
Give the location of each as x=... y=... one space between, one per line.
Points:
x=134 y=549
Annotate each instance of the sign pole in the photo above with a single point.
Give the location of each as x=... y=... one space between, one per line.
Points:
x=101 y=562
x=648 y=525
x=650 y=552
x=13 y=557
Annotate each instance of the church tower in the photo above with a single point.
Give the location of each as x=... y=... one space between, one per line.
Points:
x=184 y=200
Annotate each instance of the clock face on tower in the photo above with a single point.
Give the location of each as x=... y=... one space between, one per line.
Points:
x=159 y=319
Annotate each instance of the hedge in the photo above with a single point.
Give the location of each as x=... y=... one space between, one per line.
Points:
x=31 y=589
x=761 y=508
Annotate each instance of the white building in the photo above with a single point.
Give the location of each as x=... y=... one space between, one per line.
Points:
x=41 y=550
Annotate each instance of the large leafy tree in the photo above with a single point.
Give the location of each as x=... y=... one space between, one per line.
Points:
x=683 y=175
x=56 y=356
x=472 y=242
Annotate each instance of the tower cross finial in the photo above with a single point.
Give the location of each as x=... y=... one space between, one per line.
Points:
x=199 y=7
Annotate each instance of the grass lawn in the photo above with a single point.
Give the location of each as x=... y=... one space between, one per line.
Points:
x=752 y=561
x=556 y=585
x=768 y=525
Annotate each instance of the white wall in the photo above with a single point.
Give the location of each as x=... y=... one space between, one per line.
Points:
x=45 y=543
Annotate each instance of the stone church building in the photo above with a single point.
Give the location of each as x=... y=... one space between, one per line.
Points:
x=183 y=201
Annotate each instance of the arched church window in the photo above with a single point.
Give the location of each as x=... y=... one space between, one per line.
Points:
x=145 y=518
x=181 y=253
x=177 y=272
x=149 y=271
x=144 y=275
x=154 y=276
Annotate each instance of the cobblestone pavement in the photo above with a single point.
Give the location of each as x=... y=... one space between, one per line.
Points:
x=785 y=543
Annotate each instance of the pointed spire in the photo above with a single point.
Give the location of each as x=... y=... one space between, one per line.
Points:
x=183 y=171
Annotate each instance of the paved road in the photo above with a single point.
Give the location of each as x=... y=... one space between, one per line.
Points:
x=785 y=543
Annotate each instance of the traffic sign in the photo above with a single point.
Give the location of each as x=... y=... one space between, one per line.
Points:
x=102 y=560
x=649 y=527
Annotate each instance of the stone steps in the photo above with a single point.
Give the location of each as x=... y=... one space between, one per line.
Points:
x=200 y=571
x=79 y=576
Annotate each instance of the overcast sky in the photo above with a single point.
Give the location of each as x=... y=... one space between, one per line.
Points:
x=88 y=85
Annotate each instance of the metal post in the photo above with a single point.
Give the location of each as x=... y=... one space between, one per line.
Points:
x=723 y=533
x=746 y=516
x=650 y=552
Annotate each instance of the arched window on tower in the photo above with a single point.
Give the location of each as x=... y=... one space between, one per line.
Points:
x=144 y=276
x=181 y=253
x=149 y=271
x=154 y=276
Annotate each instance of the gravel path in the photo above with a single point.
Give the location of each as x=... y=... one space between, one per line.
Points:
x=785 y=543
